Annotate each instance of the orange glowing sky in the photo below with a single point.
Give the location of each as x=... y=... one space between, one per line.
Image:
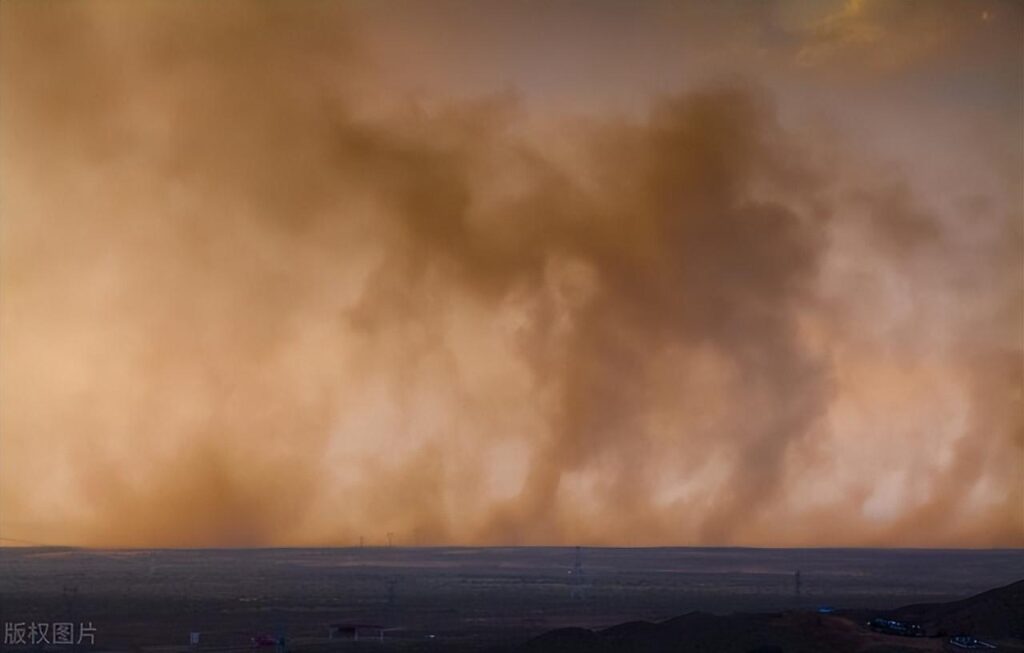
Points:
x=605 y=273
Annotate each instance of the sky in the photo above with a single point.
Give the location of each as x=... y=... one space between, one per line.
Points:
x=512 y=273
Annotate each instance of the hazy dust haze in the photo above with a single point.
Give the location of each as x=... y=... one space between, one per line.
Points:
x=512 y=273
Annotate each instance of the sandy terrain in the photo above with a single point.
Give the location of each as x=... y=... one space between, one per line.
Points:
x=458 y=598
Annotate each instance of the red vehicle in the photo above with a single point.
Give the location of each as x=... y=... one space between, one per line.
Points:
x=263 y=640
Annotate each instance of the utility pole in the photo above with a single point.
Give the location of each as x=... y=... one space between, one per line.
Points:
x=578 y=590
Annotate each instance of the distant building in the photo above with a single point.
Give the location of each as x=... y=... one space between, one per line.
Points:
x=355 y=632
x=966 y=641
x=893 y=627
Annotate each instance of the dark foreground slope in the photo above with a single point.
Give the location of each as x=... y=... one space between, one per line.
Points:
x=997 y=615
x=699 y=633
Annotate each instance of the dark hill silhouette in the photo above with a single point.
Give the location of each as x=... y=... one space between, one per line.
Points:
x=699 y=632
x=997 y=613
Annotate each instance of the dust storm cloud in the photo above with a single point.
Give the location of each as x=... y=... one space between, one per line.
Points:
x=259 y=288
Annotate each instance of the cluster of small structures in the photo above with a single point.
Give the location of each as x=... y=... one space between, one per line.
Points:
x=357 y=631
x=906 y=629
x=360 y=631
x=893 y=627
x=966 y=641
